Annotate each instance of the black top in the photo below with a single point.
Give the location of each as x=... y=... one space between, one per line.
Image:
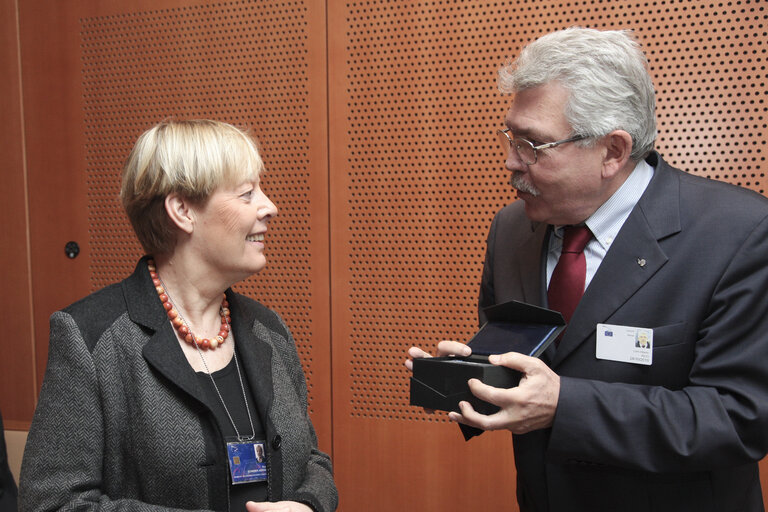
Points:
x=228 y=383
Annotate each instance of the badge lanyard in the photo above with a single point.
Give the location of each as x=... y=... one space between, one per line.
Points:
x=247 y=457
x=242 y=387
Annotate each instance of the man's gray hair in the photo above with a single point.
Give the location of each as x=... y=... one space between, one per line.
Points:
x=606 y=75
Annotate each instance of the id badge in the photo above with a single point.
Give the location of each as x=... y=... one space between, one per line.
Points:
x=625 y=344
x=247 y=461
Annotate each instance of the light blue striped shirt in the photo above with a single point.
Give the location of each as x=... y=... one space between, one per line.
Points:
x=605 y=223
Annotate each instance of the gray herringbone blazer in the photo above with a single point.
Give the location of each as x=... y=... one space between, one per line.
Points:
x=121 y=421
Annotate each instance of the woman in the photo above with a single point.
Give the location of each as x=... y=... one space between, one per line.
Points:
x=161 y=390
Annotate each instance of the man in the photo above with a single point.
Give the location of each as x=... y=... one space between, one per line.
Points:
x=642 y=340
x=677 y=427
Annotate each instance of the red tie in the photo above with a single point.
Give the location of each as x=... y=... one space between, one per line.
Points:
x=567 y=283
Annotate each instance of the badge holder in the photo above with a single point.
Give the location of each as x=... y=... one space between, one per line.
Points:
x=247 y=461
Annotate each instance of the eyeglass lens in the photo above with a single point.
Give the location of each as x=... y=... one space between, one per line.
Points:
x=524 y=148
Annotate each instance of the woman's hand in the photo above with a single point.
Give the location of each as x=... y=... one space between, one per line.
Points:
x=280 y=506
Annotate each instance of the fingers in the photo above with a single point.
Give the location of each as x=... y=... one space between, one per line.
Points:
x=469 y=416
x=490 y=394
x=457 y=417
x=415 y=353
x=516 y=361
x=453 y=348
x=444 y=348
x=530 y=406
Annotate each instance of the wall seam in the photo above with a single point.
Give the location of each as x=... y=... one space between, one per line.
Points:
x=25 y=174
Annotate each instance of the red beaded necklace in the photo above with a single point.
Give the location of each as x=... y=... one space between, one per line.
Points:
x=180 y=325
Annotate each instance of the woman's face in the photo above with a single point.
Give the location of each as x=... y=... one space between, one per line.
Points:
x=229 y=232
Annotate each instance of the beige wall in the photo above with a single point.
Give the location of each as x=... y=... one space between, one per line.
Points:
x=14 y=441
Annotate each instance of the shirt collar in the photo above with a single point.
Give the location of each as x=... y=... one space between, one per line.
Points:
x=607 y=220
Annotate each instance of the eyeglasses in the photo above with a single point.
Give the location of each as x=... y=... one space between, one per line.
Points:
x=525 y=149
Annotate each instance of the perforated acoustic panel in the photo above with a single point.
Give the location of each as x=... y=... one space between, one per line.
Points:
x=417 y=175
x=425 y=175
x=422 y=110
x=246 y=63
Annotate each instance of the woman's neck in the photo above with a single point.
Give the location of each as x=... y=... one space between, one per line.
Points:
x=193 y=292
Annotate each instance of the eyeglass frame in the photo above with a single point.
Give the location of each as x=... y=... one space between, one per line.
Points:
x=547 y=145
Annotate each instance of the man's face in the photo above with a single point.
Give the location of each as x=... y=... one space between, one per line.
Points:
x=564 y=186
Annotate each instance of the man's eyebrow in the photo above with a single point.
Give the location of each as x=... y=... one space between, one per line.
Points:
x=528 y=133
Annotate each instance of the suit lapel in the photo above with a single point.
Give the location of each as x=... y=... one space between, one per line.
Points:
x=162 y=351
x=633 y=258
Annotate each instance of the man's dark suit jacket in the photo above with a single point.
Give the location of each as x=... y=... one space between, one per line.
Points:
x=690 y=262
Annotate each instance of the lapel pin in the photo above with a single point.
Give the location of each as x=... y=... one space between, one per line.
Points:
x=641 y=262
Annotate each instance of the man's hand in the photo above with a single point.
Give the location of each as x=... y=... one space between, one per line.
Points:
x=444 y=348
x=529 y=406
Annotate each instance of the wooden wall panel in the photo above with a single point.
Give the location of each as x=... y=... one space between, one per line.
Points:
x=382 y=158
x=414 y=184
x=105 y=72
x=17 y=370
x=52 y=120
x=416 y=176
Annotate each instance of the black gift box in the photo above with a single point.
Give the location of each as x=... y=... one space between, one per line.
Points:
x=441 y=382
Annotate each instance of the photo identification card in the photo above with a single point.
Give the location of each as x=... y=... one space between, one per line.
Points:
x=625 y=344
x=247 y=461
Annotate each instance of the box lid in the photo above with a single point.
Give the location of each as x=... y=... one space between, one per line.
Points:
x=517 y=327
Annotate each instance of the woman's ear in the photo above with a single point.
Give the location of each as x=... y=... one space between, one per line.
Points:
x=618 y=147
x=180 y=212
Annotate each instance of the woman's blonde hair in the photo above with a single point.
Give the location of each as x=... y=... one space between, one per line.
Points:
x=189 y=158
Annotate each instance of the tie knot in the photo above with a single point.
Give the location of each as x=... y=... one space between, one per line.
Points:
x=575 y=238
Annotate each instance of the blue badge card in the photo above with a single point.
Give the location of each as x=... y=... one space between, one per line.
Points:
x=247 y=461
